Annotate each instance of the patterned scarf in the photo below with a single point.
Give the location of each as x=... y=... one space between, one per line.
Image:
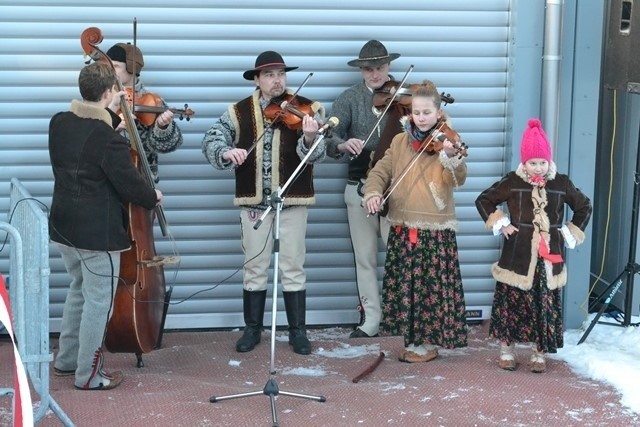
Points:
x=416 y=136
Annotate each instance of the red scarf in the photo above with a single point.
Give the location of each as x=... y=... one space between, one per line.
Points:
x=543 y=251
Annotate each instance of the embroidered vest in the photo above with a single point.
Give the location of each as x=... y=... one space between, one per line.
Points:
x=248 y=118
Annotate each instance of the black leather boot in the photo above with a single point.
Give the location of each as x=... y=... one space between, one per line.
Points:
x=253 y=307
x=295 y=304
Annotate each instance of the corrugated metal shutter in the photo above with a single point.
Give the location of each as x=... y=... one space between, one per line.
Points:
x=195 y=52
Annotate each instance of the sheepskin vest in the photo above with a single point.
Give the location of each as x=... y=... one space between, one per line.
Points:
x=248 y=118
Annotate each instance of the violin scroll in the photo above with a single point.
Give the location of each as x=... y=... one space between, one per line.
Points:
x=447 y=98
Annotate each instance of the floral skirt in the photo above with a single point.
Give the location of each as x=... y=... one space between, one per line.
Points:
x=422 y=295
x=533 y=316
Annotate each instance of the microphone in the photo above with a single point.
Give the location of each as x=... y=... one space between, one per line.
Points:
x=331 y=123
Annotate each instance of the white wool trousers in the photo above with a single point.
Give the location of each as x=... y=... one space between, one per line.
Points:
x=257 y=245
x=365 y=232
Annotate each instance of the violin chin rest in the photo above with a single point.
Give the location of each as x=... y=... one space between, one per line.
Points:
x=161 y=260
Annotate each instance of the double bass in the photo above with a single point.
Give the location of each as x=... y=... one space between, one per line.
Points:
x=139 y=309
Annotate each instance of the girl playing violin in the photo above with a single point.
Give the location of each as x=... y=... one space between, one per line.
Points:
x=423 y=298
x=162 y=136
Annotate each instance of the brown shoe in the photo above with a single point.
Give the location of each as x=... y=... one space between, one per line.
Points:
x=115 y=378
x=507 y=360
x=413 y=357
x=537 y=363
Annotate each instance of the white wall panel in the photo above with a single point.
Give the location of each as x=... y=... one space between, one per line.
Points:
x=195 y=53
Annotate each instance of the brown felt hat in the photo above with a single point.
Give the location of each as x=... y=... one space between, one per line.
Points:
x=127 y=53
x=268 y=60
x=373 y=54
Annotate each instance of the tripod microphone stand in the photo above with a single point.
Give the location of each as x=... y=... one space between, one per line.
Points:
x=631 y=269
x=271 y=388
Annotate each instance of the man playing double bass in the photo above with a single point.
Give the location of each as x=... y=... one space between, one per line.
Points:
x=94 y=177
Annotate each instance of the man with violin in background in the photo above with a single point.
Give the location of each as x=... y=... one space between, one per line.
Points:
x=357 y=117
x=263 y=141
x=162 y=135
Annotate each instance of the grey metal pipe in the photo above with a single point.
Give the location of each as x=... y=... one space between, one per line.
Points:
x=551 y=69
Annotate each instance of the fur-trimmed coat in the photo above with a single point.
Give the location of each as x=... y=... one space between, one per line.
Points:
x=537 y=211
x=424 y=197
x=94 y=176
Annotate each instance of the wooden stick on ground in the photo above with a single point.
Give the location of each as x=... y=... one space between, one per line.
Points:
x=370 y=368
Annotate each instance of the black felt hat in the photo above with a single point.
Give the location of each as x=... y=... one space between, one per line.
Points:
x=373 y=54
x=268 y=60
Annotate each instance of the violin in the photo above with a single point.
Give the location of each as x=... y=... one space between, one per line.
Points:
x=288 y=110
x=385 y=93
x=434 y=141
x=149 y=105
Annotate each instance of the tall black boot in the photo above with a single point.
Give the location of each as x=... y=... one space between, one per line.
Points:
x=295 y=304
x=253 y=307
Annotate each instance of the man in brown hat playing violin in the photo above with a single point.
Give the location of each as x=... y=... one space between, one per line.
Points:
x=357 y=120
x=264 y=153
x=163 y=135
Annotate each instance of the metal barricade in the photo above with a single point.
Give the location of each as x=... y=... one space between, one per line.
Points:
x=29 y=293
x=16 y=241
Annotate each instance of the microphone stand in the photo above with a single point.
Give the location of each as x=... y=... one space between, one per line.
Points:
x=271 y=388
x=630 y=270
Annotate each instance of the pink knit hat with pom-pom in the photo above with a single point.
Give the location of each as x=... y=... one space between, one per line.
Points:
x=534 y=142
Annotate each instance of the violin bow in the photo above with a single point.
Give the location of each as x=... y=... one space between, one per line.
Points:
x=133 y=66
x=162 y=220
x=393 y=97
x=303 y=84
x=258 y=139
x=434 y=134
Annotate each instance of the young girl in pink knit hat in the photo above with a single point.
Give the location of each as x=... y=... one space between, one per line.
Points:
x=527 y=307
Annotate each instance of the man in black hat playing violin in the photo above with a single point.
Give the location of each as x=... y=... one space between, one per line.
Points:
x=357 y=120
x=163 y=135
x=264 y=153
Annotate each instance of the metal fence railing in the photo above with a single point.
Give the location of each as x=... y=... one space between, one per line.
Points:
x=16 y=240
x=29 y=293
